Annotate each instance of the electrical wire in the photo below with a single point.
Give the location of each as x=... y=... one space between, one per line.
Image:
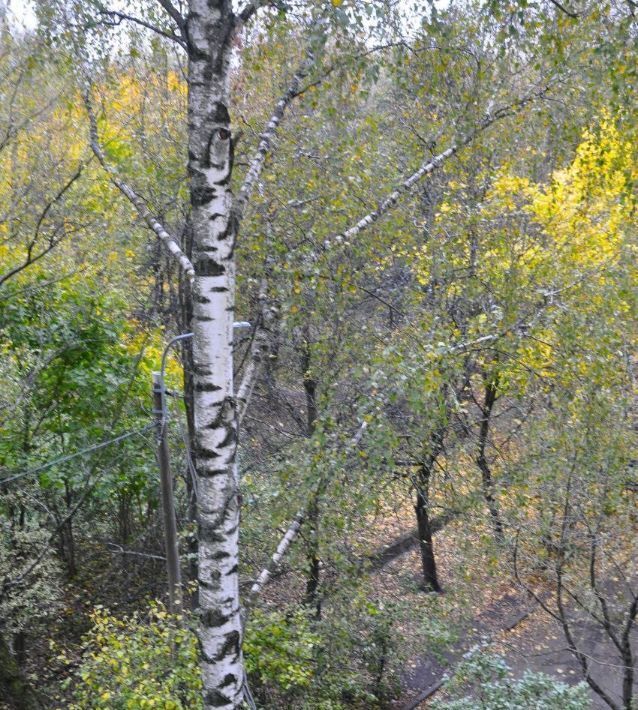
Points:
x=69 y=457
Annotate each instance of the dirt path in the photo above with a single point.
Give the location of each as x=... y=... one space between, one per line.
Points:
x=528 y=640
x=508 y=620
x=427 y=673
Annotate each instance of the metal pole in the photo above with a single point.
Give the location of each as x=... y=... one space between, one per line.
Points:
x=166 y=490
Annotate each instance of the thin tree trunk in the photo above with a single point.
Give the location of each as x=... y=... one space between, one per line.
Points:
x=481 y=459
x=20 y=648
x=628 y=657
x=422 y=510
x=313 y=579
x=184 y=324
x=424 y=526
x=209 y=29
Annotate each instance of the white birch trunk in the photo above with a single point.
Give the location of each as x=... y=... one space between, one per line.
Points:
x=210 y=26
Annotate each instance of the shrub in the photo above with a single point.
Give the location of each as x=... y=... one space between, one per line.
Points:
x=137 y=662
x=482 y=682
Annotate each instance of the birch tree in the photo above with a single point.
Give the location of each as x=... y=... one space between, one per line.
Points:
x=208 y=34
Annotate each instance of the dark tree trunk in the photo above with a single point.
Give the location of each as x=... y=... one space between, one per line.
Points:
x=422 y=510
x=67 y=538
x=424 y=526
x=20 y=648
x=482 y=462
x=312 y=598
x=309 y=384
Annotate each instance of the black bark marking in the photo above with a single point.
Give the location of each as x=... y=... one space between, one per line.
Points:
x=231 y=645
x=231 y=161
x=215 y=699
x=206 y=454
x=232 y=570
x=229 y=679
x=220 y=555
x=201 y=195
x=219 y=289
x=230 y=438
x=212 y=472
x=205 y=266
x=224 y=235
x=226 y=414
x=219 y=113
x=213 y=618
x=218 y=137
x=206 y=387
x=208 y=533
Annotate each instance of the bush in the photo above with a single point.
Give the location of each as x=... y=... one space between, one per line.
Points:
x=279 y=651
x=481 y=682
x=137 y=662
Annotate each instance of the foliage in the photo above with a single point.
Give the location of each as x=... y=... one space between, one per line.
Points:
x=138 y=662
x=511 y=267
x=280 y=649
x=30 y=595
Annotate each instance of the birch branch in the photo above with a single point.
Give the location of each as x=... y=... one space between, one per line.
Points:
x=263 y=149
x=175 y=15
x=115 y=18
x=258 y=351
x=167 y=240
x=278 y=555
x=249 y=10
x=428 y=167
x=291 y=533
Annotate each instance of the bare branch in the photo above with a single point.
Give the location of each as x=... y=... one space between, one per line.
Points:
x=272 y=565
x=169 y=242
x=115 y=548
x=564 y=10
x=53 y=242
x=117 y=18
x=175 y=15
